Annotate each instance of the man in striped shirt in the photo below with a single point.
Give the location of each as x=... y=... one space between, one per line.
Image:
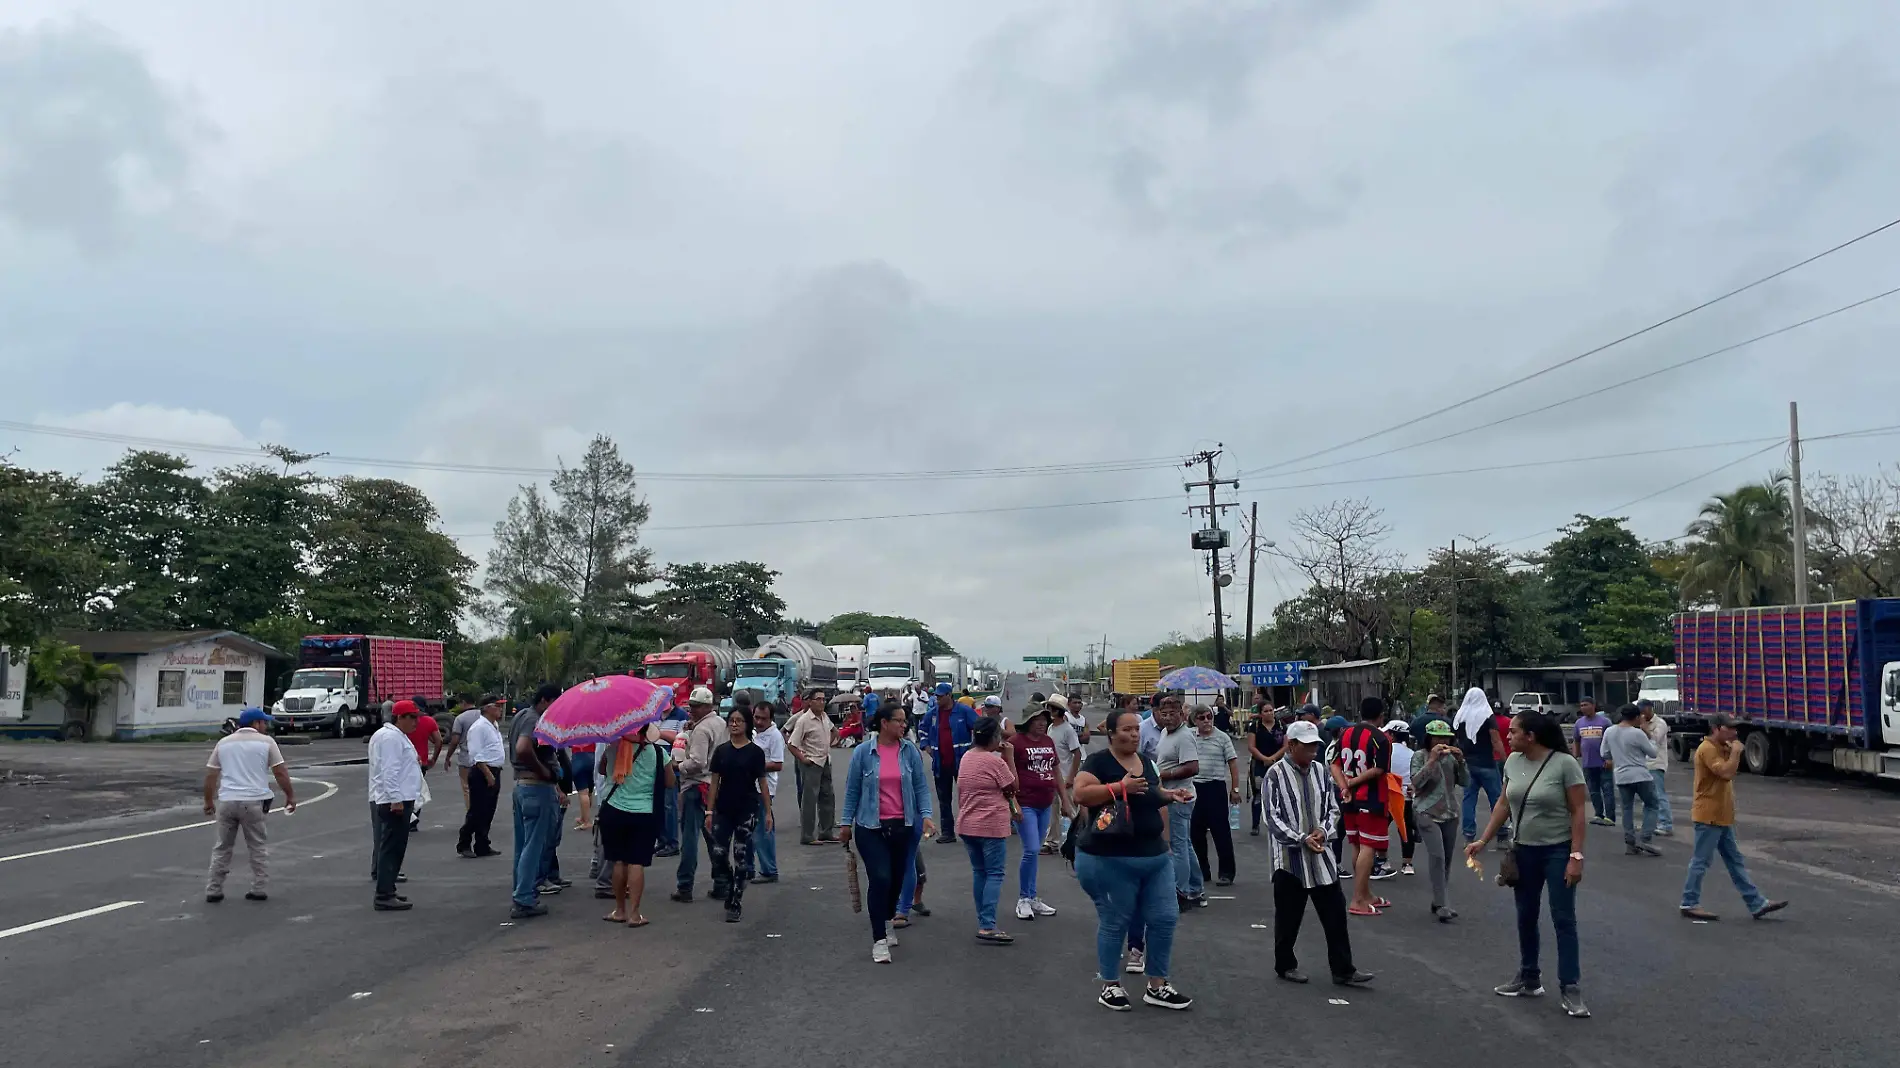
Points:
x=1303 y=814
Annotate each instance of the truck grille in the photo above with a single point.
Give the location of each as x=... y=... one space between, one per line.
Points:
x=299 y=704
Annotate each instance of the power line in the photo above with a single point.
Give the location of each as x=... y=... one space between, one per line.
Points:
x=1584 y=396
x=1589 y=352
x=1657 y=493
x=1863 y=433
x=1085 y=467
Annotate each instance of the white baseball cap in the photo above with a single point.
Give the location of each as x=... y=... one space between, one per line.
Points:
x=700 y=696
x=1303 y=732
x=1058 y=701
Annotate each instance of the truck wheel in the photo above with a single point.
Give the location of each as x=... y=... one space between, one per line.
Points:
x=342 y=729
x=1757 y=753
x=1780 y=756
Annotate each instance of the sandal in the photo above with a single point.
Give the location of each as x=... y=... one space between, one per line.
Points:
x=1381 y=903
x=637 y=921
x=1353 y=910
x=901 y=922
x=614 y=917
x=995 y=938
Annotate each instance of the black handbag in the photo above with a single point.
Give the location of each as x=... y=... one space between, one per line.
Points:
x=1507 y=868
x=1114 y=822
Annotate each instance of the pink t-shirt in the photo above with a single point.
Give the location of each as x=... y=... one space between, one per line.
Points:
x=890 y=782
x=982 y=808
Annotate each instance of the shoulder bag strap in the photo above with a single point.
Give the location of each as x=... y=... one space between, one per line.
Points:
x=1518 y=819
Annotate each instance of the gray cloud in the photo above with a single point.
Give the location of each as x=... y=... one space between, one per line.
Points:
x=86 y=133
x=956 y=237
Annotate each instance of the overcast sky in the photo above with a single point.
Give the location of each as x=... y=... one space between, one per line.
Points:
x=900 y=237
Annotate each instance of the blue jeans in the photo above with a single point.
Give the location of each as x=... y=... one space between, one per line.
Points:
x=537 y=819
x=1540 y=869
x=1187 y=870
x=1666 y=819
x=670 y=818
x=987 y=856
x=1626 y=795
x=1033 y=828
x=551 y=856
x=1600 y=784
x=907 y=895
x=1491 y=782
x=1127 y=890
x=764 y=854
x=692 y=833
x=1711 y=839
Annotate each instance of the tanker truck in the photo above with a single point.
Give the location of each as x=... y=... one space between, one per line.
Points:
x=785 y=664
x=709 y=663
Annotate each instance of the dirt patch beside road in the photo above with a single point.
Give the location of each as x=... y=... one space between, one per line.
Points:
x=44 y=784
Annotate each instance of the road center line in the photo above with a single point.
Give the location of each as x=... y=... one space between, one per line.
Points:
x=149 y=834
x=68 y=918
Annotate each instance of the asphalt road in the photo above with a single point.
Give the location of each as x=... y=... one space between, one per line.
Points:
x=315 y=977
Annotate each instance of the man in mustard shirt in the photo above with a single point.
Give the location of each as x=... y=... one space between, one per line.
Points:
x=1716 y=761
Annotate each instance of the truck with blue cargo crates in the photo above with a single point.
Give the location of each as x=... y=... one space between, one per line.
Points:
x=1807 y=684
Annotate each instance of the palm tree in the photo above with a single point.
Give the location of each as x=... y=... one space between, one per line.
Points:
x=1741 y=552
x=79 y=679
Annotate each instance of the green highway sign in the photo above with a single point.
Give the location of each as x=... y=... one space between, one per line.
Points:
x=1045 y=659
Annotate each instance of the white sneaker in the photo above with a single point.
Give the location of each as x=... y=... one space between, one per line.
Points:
x=1137 y=962
x=1041 y=909
x=880 y=952
x=1023 y=910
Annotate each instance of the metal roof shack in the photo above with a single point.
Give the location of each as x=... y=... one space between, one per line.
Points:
x=1343 y=685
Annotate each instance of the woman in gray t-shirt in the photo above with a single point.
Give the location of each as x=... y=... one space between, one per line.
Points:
x=1544 y=798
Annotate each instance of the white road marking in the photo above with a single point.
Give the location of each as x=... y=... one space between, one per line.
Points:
x=68 y=918
x=165 y=830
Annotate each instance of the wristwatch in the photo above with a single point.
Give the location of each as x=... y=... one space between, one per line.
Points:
x=1576 y=856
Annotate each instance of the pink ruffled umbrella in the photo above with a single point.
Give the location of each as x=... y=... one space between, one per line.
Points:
x=602 y=711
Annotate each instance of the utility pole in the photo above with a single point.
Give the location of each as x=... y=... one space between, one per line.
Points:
x=1454 y=616
x=1253 y=557
x=1800 y=507
x=1213 y=539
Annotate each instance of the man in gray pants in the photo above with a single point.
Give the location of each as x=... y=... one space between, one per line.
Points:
x=238 y=792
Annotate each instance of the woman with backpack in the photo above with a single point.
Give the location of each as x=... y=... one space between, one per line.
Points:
x=638 y=774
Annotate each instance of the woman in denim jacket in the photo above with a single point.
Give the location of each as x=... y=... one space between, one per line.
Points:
x=887 y=812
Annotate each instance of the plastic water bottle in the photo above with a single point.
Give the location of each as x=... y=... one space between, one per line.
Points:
x=1233 y=817
x=1065 y=828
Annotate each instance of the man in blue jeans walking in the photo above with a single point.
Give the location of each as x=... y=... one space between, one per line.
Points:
x=1484 y=753
x=538 y=801
x=1716 y=761
x=704 y=735
x=1178 y=758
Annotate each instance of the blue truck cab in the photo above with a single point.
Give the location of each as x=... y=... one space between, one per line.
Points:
x=775 y=680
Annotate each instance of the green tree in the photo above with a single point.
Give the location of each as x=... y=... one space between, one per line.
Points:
x=147 y=512
x=582 y=539
x=740 y=592
x=248 y=553
x=77 y=678
x=1579 y=567
x=1632 y=621
x=49 y=564
x=1739 y=548
x=1502 y=615
x=378 y=565
x=856 y=628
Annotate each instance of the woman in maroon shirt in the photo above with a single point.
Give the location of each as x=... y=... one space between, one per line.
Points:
x=1038 y=776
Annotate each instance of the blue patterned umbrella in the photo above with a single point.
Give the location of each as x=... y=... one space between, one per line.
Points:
x=1195 y=678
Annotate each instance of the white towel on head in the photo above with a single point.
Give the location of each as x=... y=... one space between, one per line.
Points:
x=1473 y=714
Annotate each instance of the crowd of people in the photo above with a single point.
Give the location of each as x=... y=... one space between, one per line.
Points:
x=1147 y=819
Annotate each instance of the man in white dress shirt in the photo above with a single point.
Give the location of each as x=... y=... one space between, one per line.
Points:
x=395 y=781
x=487 y=757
